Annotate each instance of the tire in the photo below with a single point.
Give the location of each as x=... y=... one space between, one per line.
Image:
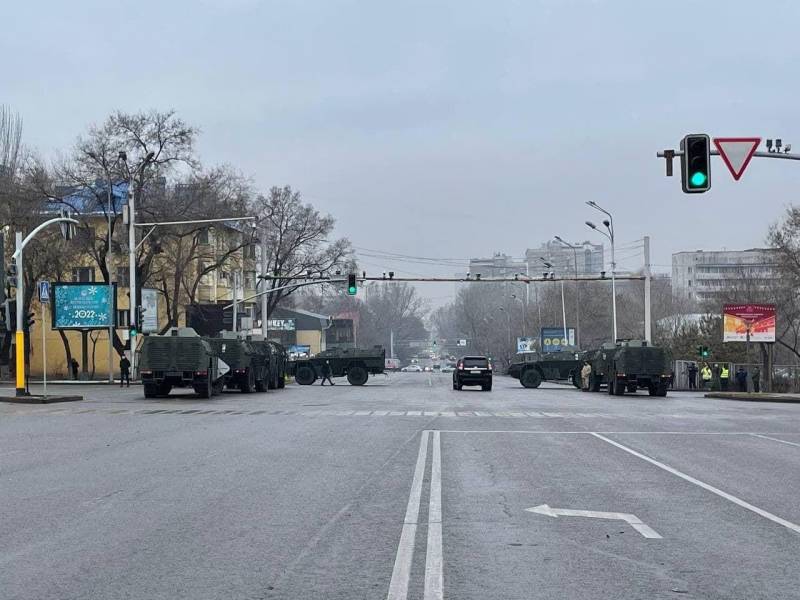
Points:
x=281 y=381
x=632 y=388
x=594 y=383
x=661 y=390
x=357 y=375
x=530 y=378
x=652 y=389
x=150 y=390
x=455 y=385
x=487 y=387
x=619 y=389
x=576 y=379
x=611 y=386
x=305 y=375
x=203 y=389
x=272 y=381
x=246 y=387
x=164 y=389
x=262 y=384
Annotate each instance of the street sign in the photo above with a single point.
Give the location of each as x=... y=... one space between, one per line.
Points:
x=552 y=338
x=462 y=342
x=736 y=153
x=526 y=344
x=44 y=292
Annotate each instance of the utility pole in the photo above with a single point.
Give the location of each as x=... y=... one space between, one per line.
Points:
x=235 y=276
x=19 y=335
x=648 y=334
x=391 y=343
x=265 y=283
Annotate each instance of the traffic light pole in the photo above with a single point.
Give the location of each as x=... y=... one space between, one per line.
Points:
x=19 y=336
x=668 y=155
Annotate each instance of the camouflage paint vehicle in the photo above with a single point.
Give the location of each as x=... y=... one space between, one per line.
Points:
x=629 y=366
x=531 y=368
x=180 y=358
x=249 y=366
x=354 y=363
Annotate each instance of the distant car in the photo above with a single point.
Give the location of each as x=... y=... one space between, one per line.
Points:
x=428 y=369
x=448 y=369
x=437 y=367
x=473 y=370
x=411 y=369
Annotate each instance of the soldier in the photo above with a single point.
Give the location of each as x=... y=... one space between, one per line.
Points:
x=326 y=373
x=692 y=376
x=586 y=372
x=124 y=370
x=756 y=379
x=74 y=365
x=741 y=379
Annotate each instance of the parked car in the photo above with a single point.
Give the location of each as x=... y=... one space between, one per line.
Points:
x=448 y=369
x=473 y=370
x=411 y=369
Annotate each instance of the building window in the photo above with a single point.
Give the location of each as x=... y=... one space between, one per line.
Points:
x=203 y=237
x=83 y=274
x=250 y=280
x=250 y=251
x=690 y=269
x=123 y=276
x=690 y=283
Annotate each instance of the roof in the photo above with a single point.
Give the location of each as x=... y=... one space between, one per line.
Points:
x=92 y=199
x=305 y=320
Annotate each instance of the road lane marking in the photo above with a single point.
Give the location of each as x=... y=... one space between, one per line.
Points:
x=766 y=437
x=434 y=580
x=632 y=520
x=730 y=497
x=398 y=585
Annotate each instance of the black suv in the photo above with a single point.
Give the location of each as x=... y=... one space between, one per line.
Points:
x=473 y=370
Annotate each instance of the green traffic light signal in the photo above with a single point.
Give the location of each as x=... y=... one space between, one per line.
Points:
x=352 y=289
x=698 y=179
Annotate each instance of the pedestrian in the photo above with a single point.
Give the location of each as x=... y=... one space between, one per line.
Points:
x=705 y=376
x=124 y=370
x=74 y=365
x=741 y=379
x=756 y=379
x=326 y=373
x=586 y=373
x=724 y=377
x=672 y=379
x=692 y=376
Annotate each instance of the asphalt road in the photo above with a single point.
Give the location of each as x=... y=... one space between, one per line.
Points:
x=403 y=488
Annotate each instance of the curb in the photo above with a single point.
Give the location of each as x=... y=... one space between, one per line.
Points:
x=747 y=397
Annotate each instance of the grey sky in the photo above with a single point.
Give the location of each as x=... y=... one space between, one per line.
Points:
x=450 y=129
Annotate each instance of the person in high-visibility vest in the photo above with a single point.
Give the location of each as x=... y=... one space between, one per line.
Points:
x=724 y=377
x=705 y=376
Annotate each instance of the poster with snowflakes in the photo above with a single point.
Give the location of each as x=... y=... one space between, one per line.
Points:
x=83 y=305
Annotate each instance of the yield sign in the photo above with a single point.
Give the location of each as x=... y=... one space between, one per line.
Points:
x=737 y=152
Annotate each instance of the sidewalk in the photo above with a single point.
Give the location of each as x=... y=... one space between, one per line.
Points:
x=753 y=397
x=68 y=382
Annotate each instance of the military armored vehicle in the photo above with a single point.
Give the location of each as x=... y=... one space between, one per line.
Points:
x=279 y=364
x=249 y=366
x=180 y=358
x=629 y=366
x=274 y=358
x=531 y=368
x=354 y=363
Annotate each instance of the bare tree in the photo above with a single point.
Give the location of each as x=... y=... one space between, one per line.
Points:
x=297 y=241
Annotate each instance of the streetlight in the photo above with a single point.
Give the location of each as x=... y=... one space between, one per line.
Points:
x=133 y=304
x=577 y=292
x=609 y=224
x=524 y=324
x=563 y=305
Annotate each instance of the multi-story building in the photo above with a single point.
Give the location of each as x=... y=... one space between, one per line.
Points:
x=705 y=275
x=590 y=260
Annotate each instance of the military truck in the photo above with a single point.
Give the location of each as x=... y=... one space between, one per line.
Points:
x=180 y=358
x=249 y=364
x=531 y=368
x=629 y=366
x=279 y=364
x=274 y=357
x=354 y=363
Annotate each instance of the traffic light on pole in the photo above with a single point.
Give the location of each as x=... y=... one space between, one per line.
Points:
x=696 y=163
x=352 y=289
x=11 y=274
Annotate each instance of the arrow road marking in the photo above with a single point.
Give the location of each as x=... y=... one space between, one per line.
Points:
x=632 y=520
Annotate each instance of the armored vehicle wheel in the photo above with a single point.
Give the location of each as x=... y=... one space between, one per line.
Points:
x=261 y=385
x=619 y=387
x=164 y=389
x=652 y=389
x=272 y=381
x=357 y=375
x=216 y=389
x=247 y=386
x=530 y=378
x=576 y=379
x=150 y=390
x=305 y=375
x=632 y=387
x=611 y=386
x=203 y=388
x=594 y=383
x=661 y=390
x=487 y=387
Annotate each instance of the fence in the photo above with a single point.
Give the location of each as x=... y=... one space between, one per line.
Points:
x=785 y=378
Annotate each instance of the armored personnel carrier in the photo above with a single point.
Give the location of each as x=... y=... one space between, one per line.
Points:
x=249 y=366
x=274 y=357
x=629 y=366
x=180 y=358
x=354 y=363
x=531 y=368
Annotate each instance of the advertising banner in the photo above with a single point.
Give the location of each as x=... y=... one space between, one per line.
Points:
x=281 y=325
x=758 y=319
x=553 y=339
x=83 y=305
x=526 y=344
x=149 y=322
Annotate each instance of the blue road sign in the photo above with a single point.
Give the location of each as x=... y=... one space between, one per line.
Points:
x=44 y=292
x=553 y=339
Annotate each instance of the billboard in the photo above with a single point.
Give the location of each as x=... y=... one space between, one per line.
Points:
x=149 y=322
x=526 y=344
x=553 y=339
x=757 y=319
x=83 y=305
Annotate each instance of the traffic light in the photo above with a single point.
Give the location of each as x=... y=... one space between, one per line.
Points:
x=696 y=163
x=703 y=351
x=136 y=324
x=352 y=289
x=11 y=274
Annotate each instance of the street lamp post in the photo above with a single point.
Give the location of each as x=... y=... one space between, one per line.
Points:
x=563 y=305
x=609 y=233
x=524 y=320
x=132 y=250
x=577 y=293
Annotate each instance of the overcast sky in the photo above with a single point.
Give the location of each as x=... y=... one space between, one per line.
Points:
x=439 y=129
